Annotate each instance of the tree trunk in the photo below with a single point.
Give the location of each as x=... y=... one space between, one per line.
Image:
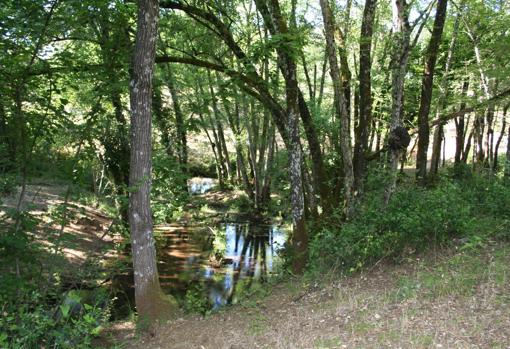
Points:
x=150 y=301
x=398 y=138
x=161 y=118
x=460 y=128
x=340 y=103
x=507 y=165
x=500 y=138
x=276 y=24
x=426 y=90
x=180 y=123
x=365 y=95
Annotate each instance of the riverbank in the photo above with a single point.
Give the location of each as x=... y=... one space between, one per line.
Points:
x=456 y=298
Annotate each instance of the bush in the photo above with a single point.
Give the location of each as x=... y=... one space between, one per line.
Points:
x=35 y=309
x=414 y=219
x=72 y=323
x=7 y=184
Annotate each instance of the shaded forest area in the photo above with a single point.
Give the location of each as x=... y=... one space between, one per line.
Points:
x=160 y=158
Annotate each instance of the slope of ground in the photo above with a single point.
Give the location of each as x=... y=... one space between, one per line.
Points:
x=458 y=298
x=84 y=235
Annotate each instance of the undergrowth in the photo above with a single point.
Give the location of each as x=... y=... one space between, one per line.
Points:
x=472 y=209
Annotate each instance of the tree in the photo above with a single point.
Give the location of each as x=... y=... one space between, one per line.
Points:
x=365 y=94
x=340 y=102
x=151 y=303
x=398 y=138
x=426 y=90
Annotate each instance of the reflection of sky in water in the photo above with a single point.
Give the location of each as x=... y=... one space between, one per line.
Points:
x=250 y=251
x=200 y=185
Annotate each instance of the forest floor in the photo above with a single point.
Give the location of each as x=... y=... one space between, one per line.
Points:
x=86 y=231
x=455 y=298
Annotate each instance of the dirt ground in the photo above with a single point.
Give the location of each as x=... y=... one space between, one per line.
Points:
x=458 y=298
x=87 y=227
x=461 y=300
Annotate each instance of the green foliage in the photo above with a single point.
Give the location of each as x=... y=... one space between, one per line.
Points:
x=7 y=184
x=35 y=310
x=415 y=219
x=33 y=323
x=169 y=191
x=458 y=275
x=196 y=301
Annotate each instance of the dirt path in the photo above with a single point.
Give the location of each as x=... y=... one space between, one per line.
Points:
x=86 y=231
x=460 y=301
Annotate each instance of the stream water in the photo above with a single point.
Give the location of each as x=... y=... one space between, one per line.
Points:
x=201 y=185
x=215 y=265
x=218 y=264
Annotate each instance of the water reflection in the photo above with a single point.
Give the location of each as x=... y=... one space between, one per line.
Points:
x=201 y=185
x=223 y=263
x=250 y=254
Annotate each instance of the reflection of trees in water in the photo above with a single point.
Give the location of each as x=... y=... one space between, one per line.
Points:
x=253 y=254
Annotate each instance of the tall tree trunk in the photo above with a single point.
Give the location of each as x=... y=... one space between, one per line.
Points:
x=218 y=133
x=479 y=130
x=500 y=138
x=426 y=90
x=150 y=300
x=180 y=123
x=507 y=165
x=365 y=95
x=161 y=118
x=460 y=128
x=398 y=138
x=274 y=21
x=340 y=103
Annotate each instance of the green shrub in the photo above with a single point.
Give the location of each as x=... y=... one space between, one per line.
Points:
x=196 y=300
x=7 y=184
x=72 y=323
x=414 y=219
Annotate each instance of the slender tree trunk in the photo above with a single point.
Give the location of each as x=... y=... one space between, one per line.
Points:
x=479 y=130
x=426 y=90
x=398 y=138
x=489 y=138
x=460 y=128
x=467 y=148
x=507 y=165
x=500 y=138
x=150 y=301
x=365 y=95
x=340 y=103
x=161 y=119
x=436 y=150
x=180 y=123
x=276 y=24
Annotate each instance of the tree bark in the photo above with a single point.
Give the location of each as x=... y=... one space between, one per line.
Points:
x=398 y=138
x=274 y=21
x=150 y=301
x=180 y=123
x=362 y=130
x=500 y=138
x=460 y=128
x=507 y=165
x=426 y=90
x=340 y=103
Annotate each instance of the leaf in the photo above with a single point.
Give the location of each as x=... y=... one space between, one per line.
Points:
x=64 y=308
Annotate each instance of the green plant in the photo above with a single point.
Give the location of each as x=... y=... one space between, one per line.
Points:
x=7 y=184
x=472 y=209
x=195 y=300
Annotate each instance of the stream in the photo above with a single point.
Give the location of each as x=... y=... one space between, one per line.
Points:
x=213 y=265
x=218 y=263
